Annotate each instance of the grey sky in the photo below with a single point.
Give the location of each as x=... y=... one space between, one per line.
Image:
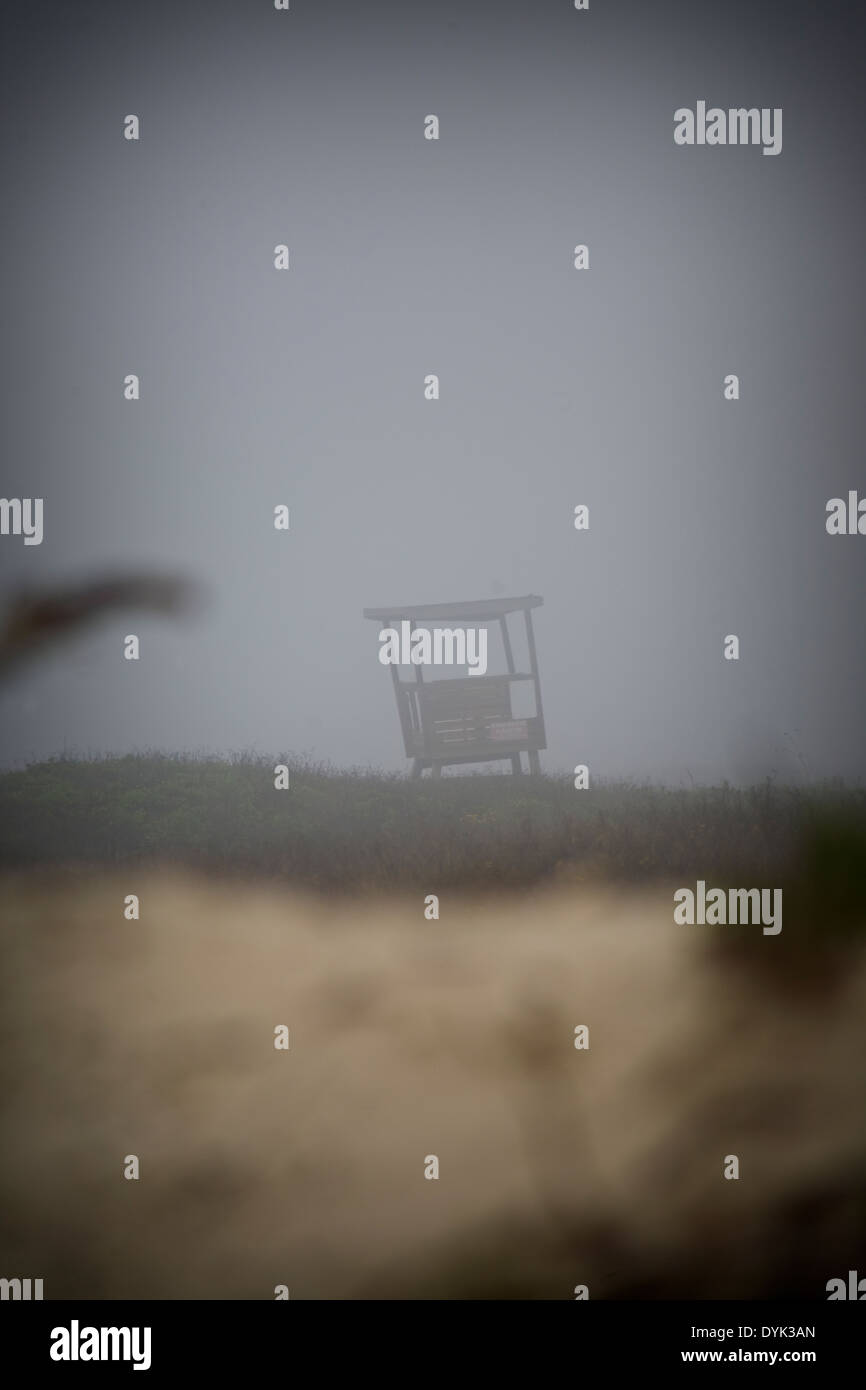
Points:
x=454 y=257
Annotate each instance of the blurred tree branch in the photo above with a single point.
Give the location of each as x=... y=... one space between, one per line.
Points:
x=35 y=620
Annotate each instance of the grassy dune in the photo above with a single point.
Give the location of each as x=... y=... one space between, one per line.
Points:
x=411 y=1037
x=356 y=831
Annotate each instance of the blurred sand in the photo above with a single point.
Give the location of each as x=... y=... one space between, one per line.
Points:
x=455 y=1038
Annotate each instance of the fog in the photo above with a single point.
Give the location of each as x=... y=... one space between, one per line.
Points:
x=409 y=257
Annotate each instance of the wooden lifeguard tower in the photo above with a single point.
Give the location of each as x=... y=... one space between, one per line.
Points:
x=468 y=719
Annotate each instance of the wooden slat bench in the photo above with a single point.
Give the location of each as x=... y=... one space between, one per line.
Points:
x=467 y=719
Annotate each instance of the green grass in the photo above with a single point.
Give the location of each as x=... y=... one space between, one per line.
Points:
x=354 y=831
